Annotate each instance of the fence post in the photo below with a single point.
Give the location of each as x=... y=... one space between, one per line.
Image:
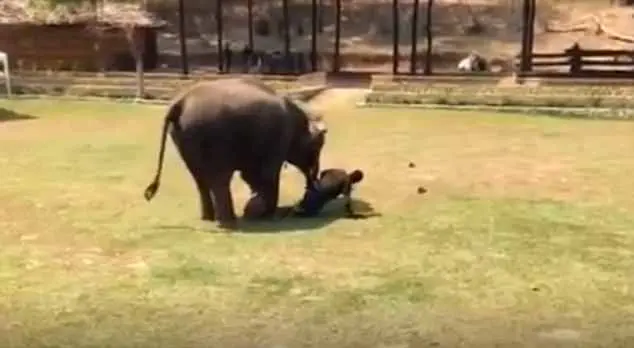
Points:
x=414 y=47
x=429 y=35
x=219 y=38
x=395 y=37
x=336 y=61
x=525 y=51
x=182 y=38
x=574 y=57
x=313 y=35
x=250 y=23
x=287 y=29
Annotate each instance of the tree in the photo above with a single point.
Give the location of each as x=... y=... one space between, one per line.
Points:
x=137 y=48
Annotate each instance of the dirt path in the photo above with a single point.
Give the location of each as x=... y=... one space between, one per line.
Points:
x=338 y=97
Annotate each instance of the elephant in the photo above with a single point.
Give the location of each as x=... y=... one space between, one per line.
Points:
x=240 y=124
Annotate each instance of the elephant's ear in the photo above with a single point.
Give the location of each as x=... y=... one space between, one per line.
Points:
x=317 y=125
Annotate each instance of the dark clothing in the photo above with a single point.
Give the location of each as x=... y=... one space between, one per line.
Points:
x=331 y=184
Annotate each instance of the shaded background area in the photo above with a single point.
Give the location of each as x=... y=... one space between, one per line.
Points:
x=490 y=27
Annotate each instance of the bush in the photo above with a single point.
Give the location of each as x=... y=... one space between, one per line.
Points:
x=480 y=89
x=502 y=97
x=112 y=87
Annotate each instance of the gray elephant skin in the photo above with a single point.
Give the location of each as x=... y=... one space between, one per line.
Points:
x=239 y=124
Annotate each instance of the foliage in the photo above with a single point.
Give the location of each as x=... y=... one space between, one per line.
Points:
x=550 y=96
x=78 y=2
x=114 y=13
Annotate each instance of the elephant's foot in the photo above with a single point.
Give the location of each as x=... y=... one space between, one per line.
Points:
x=208 y=214
x=208 y=217
x=228 y=225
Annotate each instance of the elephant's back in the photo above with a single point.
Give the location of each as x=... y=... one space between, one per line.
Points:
x=236 y=113
x=234 y=92
x=230 y=98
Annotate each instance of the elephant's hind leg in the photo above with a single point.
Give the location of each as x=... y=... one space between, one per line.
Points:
x=220 y=184
x=200 y=176
x=207 y=210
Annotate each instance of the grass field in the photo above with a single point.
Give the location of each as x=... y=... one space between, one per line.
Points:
x=525 y=238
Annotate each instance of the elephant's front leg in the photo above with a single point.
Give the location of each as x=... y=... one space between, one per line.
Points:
x=310 y=176
x=265 y=183
x=270 y=189
x=258 y=185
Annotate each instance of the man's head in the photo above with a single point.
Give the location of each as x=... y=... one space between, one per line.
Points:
x=356 y=176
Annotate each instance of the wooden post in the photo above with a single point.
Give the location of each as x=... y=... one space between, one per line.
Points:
x=219 y=31
x=430 y=36
x=525 y=51
x=336 y=64
x=182 y=37
x=287 y=29
x=530 y=40
x=413 y=54
x=320 y=16
x=313 y=37
x=395 y=37
x=574 y=57
x=250 y=20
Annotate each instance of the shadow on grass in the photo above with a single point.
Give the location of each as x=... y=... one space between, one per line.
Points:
x=10 y=115
x=285 y=222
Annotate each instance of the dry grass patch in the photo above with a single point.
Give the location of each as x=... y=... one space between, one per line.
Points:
x=524 y=238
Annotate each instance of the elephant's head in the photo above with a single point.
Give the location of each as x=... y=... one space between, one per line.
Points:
x=305 y=151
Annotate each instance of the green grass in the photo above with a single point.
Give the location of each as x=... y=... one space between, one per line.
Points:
x=525 y=238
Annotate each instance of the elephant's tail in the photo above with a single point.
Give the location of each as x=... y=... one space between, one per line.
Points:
x=172 y=116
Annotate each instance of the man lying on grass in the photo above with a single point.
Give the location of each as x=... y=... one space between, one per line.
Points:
x=332 y=183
